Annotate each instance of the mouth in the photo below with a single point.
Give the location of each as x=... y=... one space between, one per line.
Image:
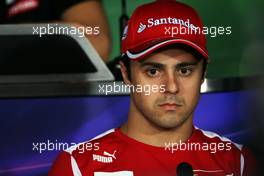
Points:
x=170 y=106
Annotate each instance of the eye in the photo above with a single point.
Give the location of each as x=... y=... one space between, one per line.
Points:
x=153 y=72
x=185 y=71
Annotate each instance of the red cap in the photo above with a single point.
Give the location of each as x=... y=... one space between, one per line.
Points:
x=158 y=24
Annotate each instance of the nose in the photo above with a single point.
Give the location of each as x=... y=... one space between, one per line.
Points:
x=171 y=84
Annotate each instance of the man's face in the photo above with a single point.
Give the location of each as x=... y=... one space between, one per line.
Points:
x=180 y=74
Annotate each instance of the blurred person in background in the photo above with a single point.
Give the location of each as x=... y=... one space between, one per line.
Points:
x=79 y=13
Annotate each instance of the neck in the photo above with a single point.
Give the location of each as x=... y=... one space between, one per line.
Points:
x=140 y=129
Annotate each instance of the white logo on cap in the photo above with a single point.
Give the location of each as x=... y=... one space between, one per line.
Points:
x=141 y=28
x=152 y=22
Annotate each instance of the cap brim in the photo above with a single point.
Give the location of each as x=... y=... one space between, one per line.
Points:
x=140 y=55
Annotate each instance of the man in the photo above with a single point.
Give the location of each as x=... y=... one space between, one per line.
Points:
x=79 y=13
x=159 y=138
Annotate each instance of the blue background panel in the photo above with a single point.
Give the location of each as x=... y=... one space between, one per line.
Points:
x=77 y=119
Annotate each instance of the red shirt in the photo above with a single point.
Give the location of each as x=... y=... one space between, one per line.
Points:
x=115 y=154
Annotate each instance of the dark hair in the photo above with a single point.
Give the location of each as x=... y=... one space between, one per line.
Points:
x=126 y=61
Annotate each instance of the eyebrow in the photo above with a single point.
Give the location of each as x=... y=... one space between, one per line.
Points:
x=159 y=65
x=154 y=64
x=186 y=64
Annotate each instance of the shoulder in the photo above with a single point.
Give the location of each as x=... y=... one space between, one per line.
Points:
x=212 y=137
x=222 y=148
x=104 y=139
x=70 y=160
x=228 y=151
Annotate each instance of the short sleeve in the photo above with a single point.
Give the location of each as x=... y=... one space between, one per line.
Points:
x=249 y=163
x=62 y=165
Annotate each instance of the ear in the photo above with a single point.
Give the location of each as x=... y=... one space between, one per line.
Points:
x=203 y=78
x=124 y=73
x=205 y=73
